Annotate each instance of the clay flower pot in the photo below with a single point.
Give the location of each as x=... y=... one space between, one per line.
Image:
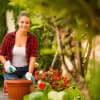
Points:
x=18 y=88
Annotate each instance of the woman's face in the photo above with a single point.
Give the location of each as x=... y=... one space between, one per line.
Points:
x=24 y=23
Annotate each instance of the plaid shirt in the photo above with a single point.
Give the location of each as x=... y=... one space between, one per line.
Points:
x=9 y=42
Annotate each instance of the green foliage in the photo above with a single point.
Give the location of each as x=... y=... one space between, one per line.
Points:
x=45 y=61
x=26 y=97
x=71 y=13
x=93 y=80
x=39 y=95
x=68 y=9
x=3 y=8
x=70 y=93
x=74 y=93
x=22 y=3
x=47 y=42
x=16 y=9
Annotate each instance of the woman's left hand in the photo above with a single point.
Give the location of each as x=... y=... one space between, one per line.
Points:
x=29 y=76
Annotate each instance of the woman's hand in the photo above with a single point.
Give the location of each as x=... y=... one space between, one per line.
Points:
x=29 y=76
x=8 y=67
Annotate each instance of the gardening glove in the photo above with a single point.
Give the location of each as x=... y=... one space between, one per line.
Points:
x=8 y=67
x=29 y=76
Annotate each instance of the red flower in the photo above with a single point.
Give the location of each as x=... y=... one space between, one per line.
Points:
x=65 y=81
x=43 y=75
x=52 y=76
x=41 y=85
x=57 y=77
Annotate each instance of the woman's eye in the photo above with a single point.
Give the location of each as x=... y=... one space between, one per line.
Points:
x=27 y=22
x=24 y=22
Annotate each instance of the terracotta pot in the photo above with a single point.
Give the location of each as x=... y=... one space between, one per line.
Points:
x=18 y=88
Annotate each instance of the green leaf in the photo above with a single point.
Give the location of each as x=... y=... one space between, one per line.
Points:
x=26 y=97
x=74 y=93
x=54 y=95
x=37 y=95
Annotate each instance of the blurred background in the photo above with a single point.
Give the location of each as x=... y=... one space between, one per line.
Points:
x=68 y=32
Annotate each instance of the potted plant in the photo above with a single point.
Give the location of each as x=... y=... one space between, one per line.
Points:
x=53 y=77
x=18 y=88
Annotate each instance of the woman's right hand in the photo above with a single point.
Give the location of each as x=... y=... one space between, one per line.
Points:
x=8 y=67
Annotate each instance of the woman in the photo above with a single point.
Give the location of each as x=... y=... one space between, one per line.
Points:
x=19 y=50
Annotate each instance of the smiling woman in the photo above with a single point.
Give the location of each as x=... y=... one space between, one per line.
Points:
x=24 y=22
x=19 y=50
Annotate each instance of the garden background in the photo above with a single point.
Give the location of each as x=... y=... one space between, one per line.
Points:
x=68 y=34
